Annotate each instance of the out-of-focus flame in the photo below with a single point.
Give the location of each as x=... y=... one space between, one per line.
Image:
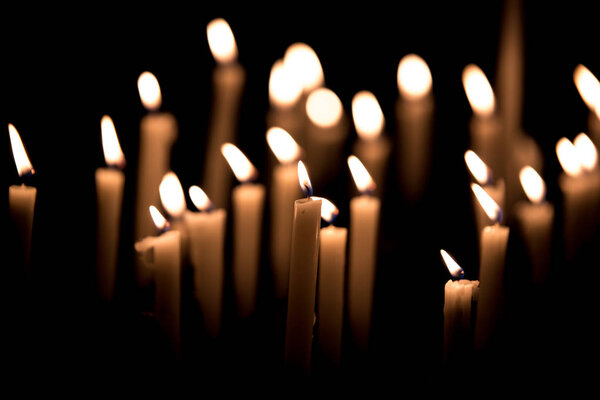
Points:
x=491 y=208
x=414 y=77
x=242 y=168
x=328 y=210
x=302 y=61
x=588 y=86
x=479 y=91
x=221 y=41
x=284 y=87
x=160 y=222
x=479 y=169
x=199 y=198
x=362 y=178
x=533 y=184
x=367 y=115
x=283 y=145
x=304 y=180
x=171 y=195
x=324 y=107
x=149 y=90
x=586 y=151
x=113 y=155
x=568 y=157
x=455 y=270
x=22 y=162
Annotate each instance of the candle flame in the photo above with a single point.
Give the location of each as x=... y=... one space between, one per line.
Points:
x=242 y=168
x=304 y=180
x=22 y=162
x=285 y=88
x=324 y=107
x=199 y=198
x=588 y=87
x=361 y=176
x=586 y=151
x=171 y=195
x=480 y=171
x=221 y=41
x=302 y=61
x=367 y=114
x=479 y=91
x=328 y=210
x=414 y=77
x=455 y=270
x=491 y=208
x=283 y=145
x=113 y=155
x=149 y=91
x=567 y=156
x=160 y=222
x=532 y=184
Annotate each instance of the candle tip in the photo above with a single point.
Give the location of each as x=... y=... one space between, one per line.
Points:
x=304 y=180
x=455 y=270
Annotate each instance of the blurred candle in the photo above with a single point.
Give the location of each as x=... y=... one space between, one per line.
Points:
x=588 y=87
x=172 y=199
x=285 y=92
x=109 y=201
x=248 y=207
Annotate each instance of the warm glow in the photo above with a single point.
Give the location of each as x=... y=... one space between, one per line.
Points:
x=324 y=107
x=479 y=91
x=283 y=145
x=586 y=151
x=199 y=198
x=22 y=162
x=242 y=168
x=568 y=157
x=588 y=86
x=159 y=221
x=113 y=155
x=328 y=210
x=171 y=195
x=221 y=41
x=149 y=90
x=361 y=176
x=367 y=114
x=304 y=180
x=491 y=208
x=533 y=184
x=414 y=77
x=285 y=88
x=302 y=61
x=455 y=270
x=477 y=167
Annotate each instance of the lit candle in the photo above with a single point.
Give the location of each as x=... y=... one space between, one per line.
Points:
x=109 y=197
x=206 y=236
x=228 y=83
x=248 y=206
x=364 y=230
x=284 y=191
x=303 y=278
x=172 y=199
x=589 y=89
x=285 y=91
x=414 y=115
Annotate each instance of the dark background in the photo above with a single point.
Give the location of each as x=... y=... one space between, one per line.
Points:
x=63 y=68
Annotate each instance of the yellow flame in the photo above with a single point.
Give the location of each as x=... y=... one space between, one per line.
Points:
x=455 y=270
x=367 y=114
x=242 y=168
x=221 y=41
x=283 y=145
x=586 y=151
x=284 y=87
x=303 y=179
x=149 y=91
x=302 y=61
x=588 y=87
x=479 y=91
x=533 y=184
x=491 y=208
x=22 y=162
x=171 y=195
x=414 y=77
x=328 y=210
x=324 y=107
x=567 y=156
x=113 y=155
x=199 y=198
x=477 y=167
x=159 y=221
x=361 y=176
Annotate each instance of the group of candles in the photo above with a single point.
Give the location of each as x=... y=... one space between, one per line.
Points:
x=307 y=131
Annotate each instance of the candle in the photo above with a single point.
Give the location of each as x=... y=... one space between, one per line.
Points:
x=303 y=278
x=332 y=266
x=206 y=236
x=21 y=199
x=285 y=92
x=248 y=206
x=284 y=191
x=588 y=87
x=109 y=198
x=228 y=83
x=414 y=115
x=371 y=147
x=172 y=199
x=362 y=261
x=158 y=132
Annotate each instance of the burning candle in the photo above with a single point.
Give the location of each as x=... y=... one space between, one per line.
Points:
x=109 y=197
x=284 y=191
x=228 y=83
x=303 y=278
x=364 y=230
x=172 y=199
x=248 y=206
x=589 y=89
x=285 y=92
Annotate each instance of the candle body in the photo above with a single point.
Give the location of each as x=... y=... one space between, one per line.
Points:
x=21 y=202
x=594 y=128
x=496 y=192
x=302 y=286
x=325 y=151
x=248 y=206
x=487 y=141
x=460 y=299
x=364 y=229
x=206 y=244
x=109 y=199
x=374 y=154
x=332 y=265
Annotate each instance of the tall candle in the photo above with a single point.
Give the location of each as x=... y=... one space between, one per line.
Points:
x=303 y=278
x=589 y=89
x=248 y=206
x=109 y=198
x=362 y=261
x=228 y=82
x=285 y=105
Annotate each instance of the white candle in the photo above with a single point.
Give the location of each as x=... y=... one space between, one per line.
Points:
x=285 y=105
x=589 y=89
x=109 y=196
x=248 y=207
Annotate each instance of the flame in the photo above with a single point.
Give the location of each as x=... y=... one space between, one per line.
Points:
x=455 y=270
x=479 y=91
x=113 y=155
x=159 y=221
x=221 y=41
x=533 y=184
x=414 y=77
x=361 y=176
x=302 y=62
x=149 y=90
x=22 y=162
x=242 y=168
x=171 y=195
x=199 y=198
x=328 y=210
x=567 y=156
x=284 y=87
x=586 y=151
x=283 y=145
x=367 y=114
x=480 y=171
x=588 y=87
x=304 y=180
x=324 y=107
x=491 y=208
